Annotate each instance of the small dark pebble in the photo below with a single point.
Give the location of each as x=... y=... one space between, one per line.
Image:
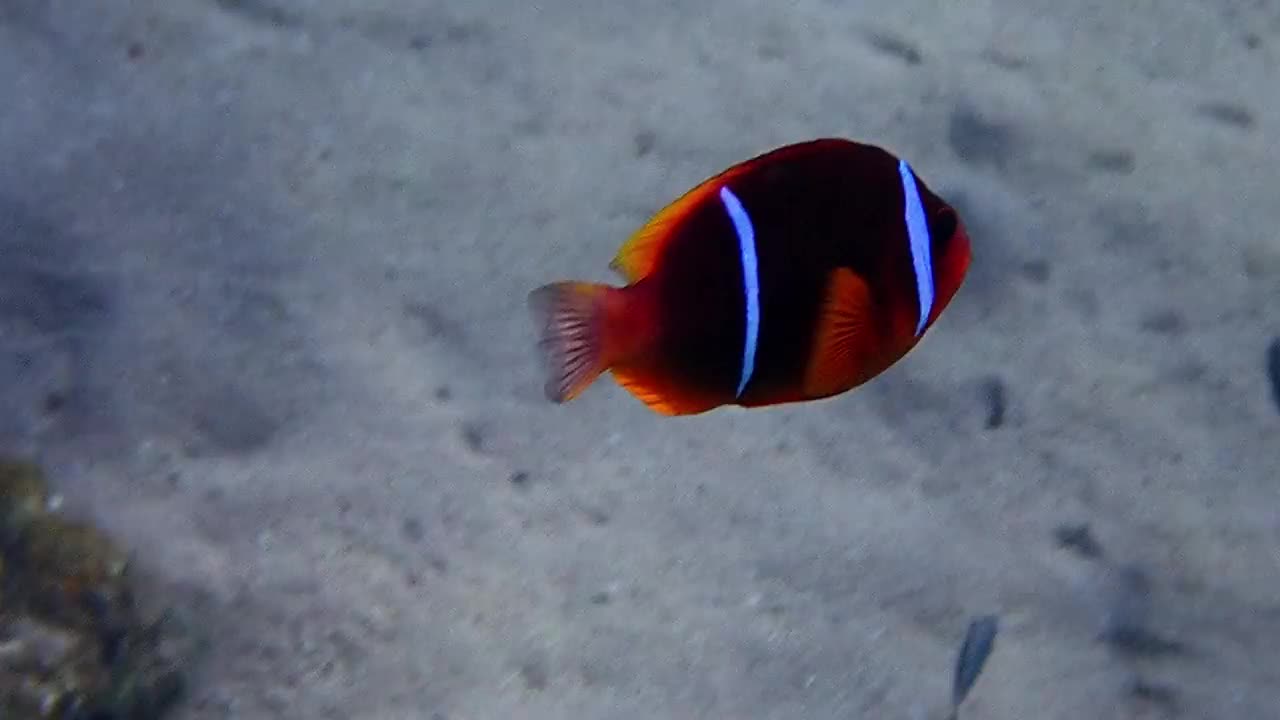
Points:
x=534 y=675
x=135 y=51
x=444 y=393
x=434 y=324
x=1037 y=271
x=344 y=505
x=1005 y=61
x=1273 y=370
x=596 y=515
x=1156 y=693
x=1126 y=627
x=978 y=139
x=1226 y=113
x=519 y=478
x=1117 y=162
x=979 y=641
x=1163 y=322
x=419 y=42
x=1078 y=538
x=897 y=47
x=259 y=11
x=236 y=423
x=644 y=142
x=993 y=394
x=1127 y=606
x=1141 y=641
x=600 y=598
x=412 y=529
x=464 y=32
x=771 y=51
x=54 y=401
x=473 y=436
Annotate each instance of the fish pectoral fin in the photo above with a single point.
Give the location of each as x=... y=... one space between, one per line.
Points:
x=659 y=399
x=839 y=352
x=570 y=325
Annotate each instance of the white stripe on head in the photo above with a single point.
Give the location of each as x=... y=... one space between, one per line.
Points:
x=918 y=238
x=750 y=280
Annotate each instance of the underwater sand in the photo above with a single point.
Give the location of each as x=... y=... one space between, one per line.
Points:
x=263 y=267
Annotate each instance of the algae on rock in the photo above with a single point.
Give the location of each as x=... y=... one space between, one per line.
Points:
x=73 y=643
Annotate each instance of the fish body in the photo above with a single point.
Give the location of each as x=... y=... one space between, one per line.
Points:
x=796 y=275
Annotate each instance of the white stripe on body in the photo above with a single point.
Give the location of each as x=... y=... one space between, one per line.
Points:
x=918 y=237
x=750 y=281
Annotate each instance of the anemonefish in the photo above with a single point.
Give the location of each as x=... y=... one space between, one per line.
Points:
x=796 y=275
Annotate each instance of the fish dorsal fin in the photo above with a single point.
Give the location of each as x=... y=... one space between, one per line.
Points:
x=639 y=254
x=839 y=355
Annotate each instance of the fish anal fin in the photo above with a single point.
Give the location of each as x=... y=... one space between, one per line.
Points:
x=569 y=319
x=838 y=360
x=649 y=388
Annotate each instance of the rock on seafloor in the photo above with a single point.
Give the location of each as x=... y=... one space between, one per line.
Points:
x=73 y=643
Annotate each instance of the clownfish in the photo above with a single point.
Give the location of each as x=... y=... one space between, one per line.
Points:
x=796 y=275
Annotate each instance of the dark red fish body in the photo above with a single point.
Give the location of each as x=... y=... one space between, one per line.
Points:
x=796 y=275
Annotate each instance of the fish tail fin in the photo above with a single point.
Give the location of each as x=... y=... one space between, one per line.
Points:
x=570 y=318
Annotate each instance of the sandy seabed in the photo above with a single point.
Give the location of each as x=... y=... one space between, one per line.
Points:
x=263 y=267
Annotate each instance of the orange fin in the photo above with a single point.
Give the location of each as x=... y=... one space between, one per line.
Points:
x=662 y=400
x=569 y=317
x=638 y=256
x=837 y=361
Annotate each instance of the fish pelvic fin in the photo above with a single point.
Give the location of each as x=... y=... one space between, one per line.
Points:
x=842 y=342
x=572 y=322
